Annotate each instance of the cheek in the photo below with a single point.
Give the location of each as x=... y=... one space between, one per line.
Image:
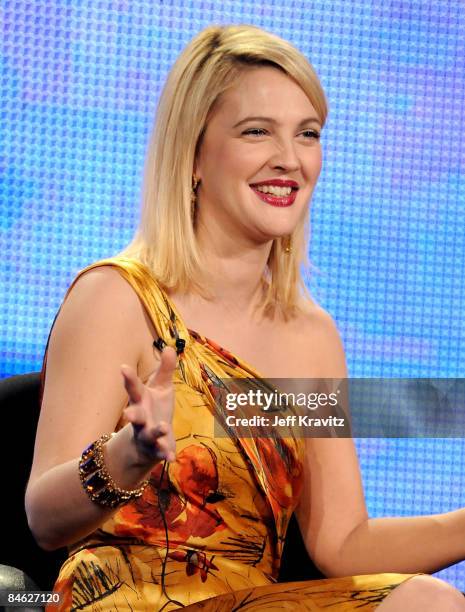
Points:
x=221 y=163
x=320 y=161
x=314 y=164
x=230 y=165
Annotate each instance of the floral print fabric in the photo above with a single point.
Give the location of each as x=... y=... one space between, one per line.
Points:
x=213 y=522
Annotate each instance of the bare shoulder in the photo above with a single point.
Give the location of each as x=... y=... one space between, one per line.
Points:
x=322 y=341
x=101 y=297
x=316 y=317
x=103 y=305
x=103 y=284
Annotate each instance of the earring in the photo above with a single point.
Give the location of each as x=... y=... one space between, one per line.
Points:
x=287 y=246
x=195 y=182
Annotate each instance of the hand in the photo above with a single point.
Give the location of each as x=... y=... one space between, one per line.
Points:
x=150 y=409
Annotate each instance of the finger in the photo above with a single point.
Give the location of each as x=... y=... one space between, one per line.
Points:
x=163 y=451
x=132 y=383
x=135 y=415
x=163 y=377
x=159 y=430
x=151 y=433
x=171 y=457
x=160 y=448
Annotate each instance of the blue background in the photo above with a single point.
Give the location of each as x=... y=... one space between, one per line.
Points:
x=80 y=83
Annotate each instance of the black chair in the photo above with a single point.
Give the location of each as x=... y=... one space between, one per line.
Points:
x=19 y=401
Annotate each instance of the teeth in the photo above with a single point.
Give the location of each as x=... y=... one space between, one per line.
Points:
x=274 y=190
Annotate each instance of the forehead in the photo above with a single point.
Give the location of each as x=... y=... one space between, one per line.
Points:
x=266 y=91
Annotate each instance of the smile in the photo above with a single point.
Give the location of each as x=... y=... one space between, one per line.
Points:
x=275 y=195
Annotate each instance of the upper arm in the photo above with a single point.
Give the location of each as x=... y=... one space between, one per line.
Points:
x=332 y=502
x=99 y=327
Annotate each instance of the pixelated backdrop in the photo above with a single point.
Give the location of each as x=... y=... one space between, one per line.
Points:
x=80 y=83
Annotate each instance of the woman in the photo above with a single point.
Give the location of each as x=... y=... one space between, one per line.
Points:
x=164 y=513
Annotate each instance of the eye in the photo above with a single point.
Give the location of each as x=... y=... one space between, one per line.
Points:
x=254 y=132
x=308 y=134
x=311 y=134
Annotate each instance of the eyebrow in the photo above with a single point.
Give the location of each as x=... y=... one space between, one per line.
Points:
x=271 y=120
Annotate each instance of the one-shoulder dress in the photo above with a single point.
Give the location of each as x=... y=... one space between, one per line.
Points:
x=208 y=532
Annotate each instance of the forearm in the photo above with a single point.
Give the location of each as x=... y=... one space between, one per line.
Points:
x=403 y=544
x=58 y=509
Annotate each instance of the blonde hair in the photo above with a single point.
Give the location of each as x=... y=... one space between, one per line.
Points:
x=165 y=240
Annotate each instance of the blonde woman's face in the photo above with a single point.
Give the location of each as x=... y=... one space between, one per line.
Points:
x=260 y=158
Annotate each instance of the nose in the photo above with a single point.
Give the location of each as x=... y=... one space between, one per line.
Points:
x=285 y=157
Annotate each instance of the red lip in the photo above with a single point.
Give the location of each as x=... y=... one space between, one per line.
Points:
x=279 y=201
x=278 y=183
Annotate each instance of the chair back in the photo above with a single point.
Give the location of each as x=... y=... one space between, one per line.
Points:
x=19 y=405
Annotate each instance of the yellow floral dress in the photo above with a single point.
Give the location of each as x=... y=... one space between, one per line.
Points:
x=213 y=522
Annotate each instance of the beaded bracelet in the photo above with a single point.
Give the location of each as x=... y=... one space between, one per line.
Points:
x=97 y=482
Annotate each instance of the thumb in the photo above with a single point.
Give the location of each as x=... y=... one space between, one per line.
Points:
x=164 y=375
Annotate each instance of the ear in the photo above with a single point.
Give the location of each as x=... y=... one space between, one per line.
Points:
x=196 y=171
x=197 y=167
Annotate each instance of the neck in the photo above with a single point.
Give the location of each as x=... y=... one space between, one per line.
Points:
x=235 y=281
x=234 y=269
